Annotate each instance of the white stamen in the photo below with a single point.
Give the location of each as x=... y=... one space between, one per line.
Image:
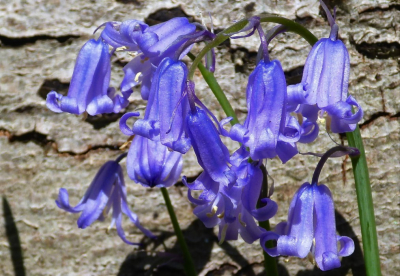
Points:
x=213 y=211
x=138 y=75
x=111 y=226
x=122 y=48
x=241 y=221
x=223 y=234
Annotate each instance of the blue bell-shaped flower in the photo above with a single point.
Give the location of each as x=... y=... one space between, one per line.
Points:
x=165 y=116
x=152 y=43
x=325 y=82
x=268 y=130
x=211 y=153
x=89 y=90
x=310 y=227
x=106 y=191
x=151 y=164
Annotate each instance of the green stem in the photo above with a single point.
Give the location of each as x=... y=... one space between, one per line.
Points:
x=224 y=35
x=189 y=264
x=365 y=205
x=293 y=27
x=270 y=263
x=221 y=37
x=217 y=90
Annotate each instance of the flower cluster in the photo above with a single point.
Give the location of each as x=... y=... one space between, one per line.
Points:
x=175 y=120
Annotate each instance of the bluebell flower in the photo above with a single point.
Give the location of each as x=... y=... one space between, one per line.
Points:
x=253 y=179
x=151 y=164
x=325 y=82
x=124 y=35
x=167 y=107
x=138 y=71
x=106 y=191
x=153 y=41
x=219 y=205
x=236 y=219
x=152 y=44
x=212 y=155
x=268 y=130
x=233 y=208
x=310 y=227
x=173 y=105
x=89 y=90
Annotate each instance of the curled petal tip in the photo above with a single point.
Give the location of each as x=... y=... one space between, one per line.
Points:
x=329 y=261
x=346 y=246
x=269 y=236
x=53 y=101
x=123 y=125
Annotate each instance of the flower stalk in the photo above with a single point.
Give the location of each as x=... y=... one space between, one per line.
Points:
x=224 y=35
x=217 y=90
x=190 y=269
x=270 y=263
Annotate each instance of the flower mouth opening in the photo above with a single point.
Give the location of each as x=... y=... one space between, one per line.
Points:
x=291 y=132
x=353 y=111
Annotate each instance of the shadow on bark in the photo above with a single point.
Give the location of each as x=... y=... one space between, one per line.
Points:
x=148 y=260
x=155 y=258
x=13 y=239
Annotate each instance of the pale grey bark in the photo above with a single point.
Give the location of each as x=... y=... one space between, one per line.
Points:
x=41 y=151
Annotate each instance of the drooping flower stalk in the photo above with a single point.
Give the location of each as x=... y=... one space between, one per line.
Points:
x=291 y=25
x=189 y=266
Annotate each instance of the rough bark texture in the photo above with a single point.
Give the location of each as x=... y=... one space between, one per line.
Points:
x=41 y=151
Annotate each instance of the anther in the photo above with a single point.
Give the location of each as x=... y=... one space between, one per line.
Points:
x=241 y=221
x=122 y=48
x=138 y=75
x=213 y=211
